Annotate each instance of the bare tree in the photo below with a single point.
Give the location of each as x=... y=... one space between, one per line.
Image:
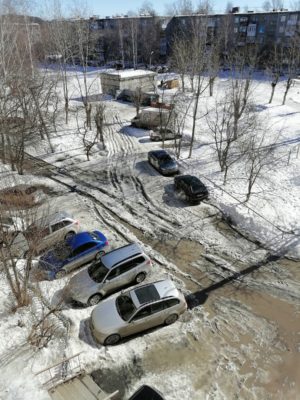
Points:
x=100 y=121
x=295 y=5
x=228 y=7
x=267 y=6
x=277 y=4
x=204 y=7
x=242 y=66
x=213 y=64
x=137 y=99
x=222 y=122
x=180 y=7
x=180 y=57
x=259 y=155
x=275 y=67
x=147 y=8
x=198 y=66
x=15 y=266
x=292 y=61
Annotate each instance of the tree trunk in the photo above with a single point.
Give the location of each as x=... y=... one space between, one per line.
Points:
x=194 y=120
x=211 y=86
x=287 y=88
x=272 y=93
x=225 y=175
x=67 y=110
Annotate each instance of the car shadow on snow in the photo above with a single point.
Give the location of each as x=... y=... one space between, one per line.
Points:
x=136 y=132
x=145 y=167
x=175 y=198
x=85 y=334
x=199 y=298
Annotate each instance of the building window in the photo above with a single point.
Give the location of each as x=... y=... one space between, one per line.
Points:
x=283 y=18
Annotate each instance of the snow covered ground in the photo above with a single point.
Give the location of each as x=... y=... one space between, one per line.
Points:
x=240 y=337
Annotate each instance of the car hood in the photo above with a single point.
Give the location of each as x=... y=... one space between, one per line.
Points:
x=105 y=317
x=82 y=282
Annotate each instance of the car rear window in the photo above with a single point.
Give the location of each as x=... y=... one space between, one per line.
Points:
x=94 y=236
x=146 y=294
x=97 y=272
x=62 y=251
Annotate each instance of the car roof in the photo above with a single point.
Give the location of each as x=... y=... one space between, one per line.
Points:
x=159 y=153
x=190 y=179
x=58 y=216
x=112 y=258
x=79 y=239
x=53 y=218
x=152 y=292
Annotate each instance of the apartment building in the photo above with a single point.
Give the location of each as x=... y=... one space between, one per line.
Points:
x=260 y=28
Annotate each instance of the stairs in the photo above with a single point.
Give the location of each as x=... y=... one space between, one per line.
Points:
x=82 y=387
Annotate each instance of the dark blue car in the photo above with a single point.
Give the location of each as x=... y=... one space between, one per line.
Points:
x=74 y=252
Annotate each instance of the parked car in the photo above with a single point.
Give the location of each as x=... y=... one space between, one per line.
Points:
x=145 y=100
x=113 y=271
x=72 y=253
x=166 y=134
x=146 y=392
x=136 y=310
x=193 y=188
x=153 y=118
x=163 y=162
x=50 y=230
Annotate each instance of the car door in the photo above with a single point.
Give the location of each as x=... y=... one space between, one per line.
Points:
x=148 y=317
x=80 y=256
x=129 y=269
x=55 y=233
x=112 y=280
x=140 y=320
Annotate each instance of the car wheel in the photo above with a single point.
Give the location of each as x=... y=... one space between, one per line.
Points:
x=140 y=277
x=60 y=274
x=99 y=255
x=171 y=319
x=112 y=339
x=95 y=299
x=69 y=235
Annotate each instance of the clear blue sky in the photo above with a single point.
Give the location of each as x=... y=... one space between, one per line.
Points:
x=112 y=7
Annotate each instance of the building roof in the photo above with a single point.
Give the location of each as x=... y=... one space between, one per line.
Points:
x=129 y=73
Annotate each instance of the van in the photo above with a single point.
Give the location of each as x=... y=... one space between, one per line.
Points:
x=151 y=118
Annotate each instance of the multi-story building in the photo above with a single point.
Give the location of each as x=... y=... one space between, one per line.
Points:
x=133 y=38
x=260 y=28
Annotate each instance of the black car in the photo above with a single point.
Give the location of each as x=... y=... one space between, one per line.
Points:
x=193 y=188
x=146 y=392
x=163 y=162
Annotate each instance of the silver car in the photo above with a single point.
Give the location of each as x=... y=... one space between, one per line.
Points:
x=50 y=230
x=136 y=310
x=113 y=271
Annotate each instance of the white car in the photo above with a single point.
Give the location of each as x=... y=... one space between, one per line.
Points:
x=55 y=228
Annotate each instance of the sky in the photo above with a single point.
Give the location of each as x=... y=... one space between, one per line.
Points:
x=112 y=7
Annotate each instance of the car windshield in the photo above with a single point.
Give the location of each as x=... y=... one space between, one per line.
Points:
x=93 y=236
x=125 y=306
x=62 y=251
x=97 y=272
x=197 y=188
x=165 y=158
